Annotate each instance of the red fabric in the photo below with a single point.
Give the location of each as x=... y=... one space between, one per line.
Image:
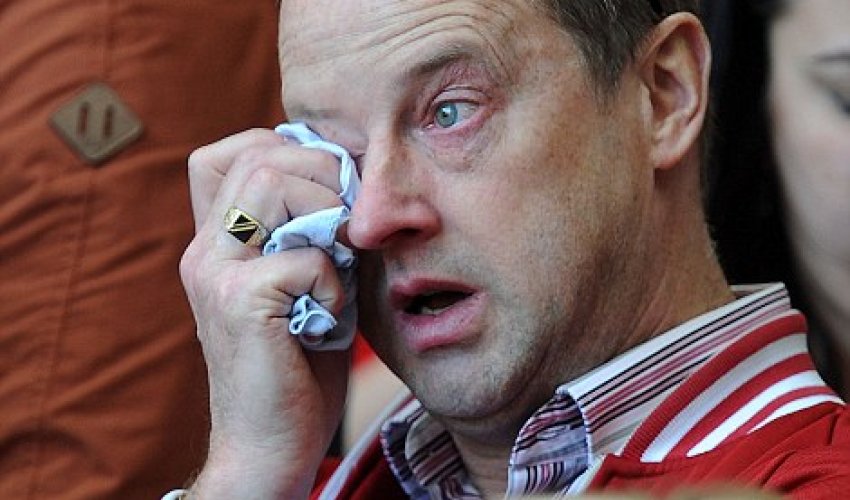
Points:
x=705 y=377
x=370 y=479
x=739 y=397
x=102 y=382
x=363 y=353
x=805 y=455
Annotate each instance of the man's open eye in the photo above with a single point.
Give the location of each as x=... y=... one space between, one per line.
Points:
x=450 y=113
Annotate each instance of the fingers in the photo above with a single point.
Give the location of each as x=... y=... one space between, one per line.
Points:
x=247 y=151
x=280 y=279
x=270 y=196
x=273 y=181
x=209 y=165
x=263 y=387
x=265 y=391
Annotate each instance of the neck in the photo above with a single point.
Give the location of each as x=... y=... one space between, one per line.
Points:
x=485 y=444
x=686 y=279
x=488 y=469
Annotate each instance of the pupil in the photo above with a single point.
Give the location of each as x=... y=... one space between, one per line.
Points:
x=446 y=115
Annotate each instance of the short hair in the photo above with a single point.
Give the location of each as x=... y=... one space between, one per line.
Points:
x=609 y=33
x=771 y=9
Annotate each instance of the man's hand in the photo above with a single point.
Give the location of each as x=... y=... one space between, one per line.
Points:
x=274 y=407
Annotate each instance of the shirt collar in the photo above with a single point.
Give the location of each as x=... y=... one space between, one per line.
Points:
x=587 y=418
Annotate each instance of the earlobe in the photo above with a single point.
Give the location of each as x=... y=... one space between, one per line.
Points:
x=675 y=70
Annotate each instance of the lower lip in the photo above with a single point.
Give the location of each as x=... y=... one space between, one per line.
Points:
x=456 y=325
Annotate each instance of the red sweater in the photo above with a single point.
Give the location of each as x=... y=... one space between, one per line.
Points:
x=805 y=455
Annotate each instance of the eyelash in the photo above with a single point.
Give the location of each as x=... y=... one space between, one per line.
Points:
x=842 y=103
x=452 y=96
x=460 y=112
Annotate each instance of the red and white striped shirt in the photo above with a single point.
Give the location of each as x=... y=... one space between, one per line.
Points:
x=635 y=405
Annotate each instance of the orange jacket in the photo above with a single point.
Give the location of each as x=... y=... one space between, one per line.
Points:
x=102 y=383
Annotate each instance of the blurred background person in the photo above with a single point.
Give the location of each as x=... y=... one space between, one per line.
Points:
x=780 y=182
x=102 y=382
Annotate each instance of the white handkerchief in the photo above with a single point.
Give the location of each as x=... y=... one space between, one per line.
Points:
x=315 y=327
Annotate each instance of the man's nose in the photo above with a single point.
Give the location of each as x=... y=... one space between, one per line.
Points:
x=395 y=203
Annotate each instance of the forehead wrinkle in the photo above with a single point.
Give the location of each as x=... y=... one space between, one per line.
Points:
x=469 y=21
x=841 y=56
x=438 y=57
x=377 y=34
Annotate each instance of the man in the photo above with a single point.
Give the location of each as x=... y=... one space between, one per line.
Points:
x=528 y=224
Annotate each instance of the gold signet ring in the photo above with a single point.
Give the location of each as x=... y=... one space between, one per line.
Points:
x=245 y=228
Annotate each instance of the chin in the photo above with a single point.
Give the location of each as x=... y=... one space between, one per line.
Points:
x=471 y=391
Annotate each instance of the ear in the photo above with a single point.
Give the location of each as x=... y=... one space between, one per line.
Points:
x=674 y=67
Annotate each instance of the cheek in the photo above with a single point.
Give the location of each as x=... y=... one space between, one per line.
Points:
x=814 y=166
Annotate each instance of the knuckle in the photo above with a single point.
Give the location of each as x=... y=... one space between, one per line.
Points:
x=189 y=264
x=250 y=158
x=194 y=267
x=198 y=160
x=259 y=134
x=263 y=175
x=316 y=258
x=327 y=287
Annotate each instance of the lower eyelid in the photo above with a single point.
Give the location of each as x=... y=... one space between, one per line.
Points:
x=459 y=133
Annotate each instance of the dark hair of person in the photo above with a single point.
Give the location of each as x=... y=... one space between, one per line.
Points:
x=743 y=190
x=744 y=200
x=609 y=32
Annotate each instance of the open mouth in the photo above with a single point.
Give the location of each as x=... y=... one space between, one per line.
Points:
x=434 y=303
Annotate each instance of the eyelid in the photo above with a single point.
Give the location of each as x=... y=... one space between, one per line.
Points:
x=833 y=77
x=454 y=95
x=841 y=100
x=463 y=116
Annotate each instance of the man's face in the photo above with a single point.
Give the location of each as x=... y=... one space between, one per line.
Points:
x=502 y=209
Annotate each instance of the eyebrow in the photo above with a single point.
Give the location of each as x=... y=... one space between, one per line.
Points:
x=838 y=56
x=434 y=62
x=443 y=57
x=298 y=112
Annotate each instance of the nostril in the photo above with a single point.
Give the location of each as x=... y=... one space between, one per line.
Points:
x=408 y=233
x=388 y=212
x=374 y=233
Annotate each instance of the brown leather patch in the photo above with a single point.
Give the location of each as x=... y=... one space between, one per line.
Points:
x=97 y=124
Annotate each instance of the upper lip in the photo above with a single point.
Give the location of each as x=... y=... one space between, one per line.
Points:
x=404 y=291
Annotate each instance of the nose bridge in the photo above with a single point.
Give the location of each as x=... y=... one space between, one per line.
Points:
x=393 y=199
x=385 y=171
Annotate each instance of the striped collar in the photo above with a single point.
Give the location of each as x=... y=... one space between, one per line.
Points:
x=635 y=405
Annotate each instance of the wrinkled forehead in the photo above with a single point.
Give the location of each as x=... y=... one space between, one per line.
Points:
x=334 y=27
x=353 y=39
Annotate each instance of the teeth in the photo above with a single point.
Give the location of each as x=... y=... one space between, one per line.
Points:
x=434 y=303
x=432 y=312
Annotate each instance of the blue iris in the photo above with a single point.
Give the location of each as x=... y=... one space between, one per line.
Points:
x=446 y=115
